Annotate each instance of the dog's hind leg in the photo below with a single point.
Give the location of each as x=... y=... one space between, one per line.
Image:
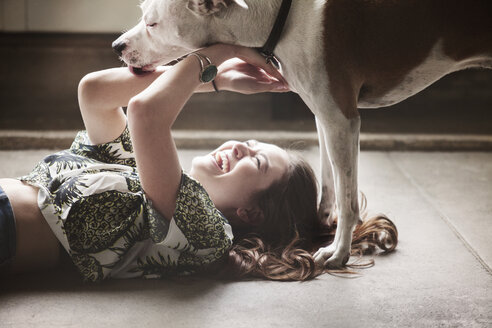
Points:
x=341 y=138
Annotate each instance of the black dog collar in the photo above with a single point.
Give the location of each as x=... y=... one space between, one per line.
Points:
x=267 y=50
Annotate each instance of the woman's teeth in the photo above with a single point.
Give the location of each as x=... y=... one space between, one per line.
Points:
x=223 y=161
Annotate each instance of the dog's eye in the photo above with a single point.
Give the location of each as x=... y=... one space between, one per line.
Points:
x=151 y=25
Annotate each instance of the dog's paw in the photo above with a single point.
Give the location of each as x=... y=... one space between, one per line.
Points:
x=330 y=257
x=336 y=261
x=323 y=254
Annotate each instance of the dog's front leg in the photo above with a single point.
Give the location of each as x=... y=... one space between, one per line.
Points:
x=342 y=142
x=326 y=210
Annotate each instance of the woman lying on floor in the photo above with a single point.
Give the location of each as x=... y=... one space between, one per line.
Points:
x=122 y=207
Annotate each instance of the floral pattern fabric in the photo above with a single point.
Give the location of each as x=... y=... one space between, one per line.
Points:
x=91 y=197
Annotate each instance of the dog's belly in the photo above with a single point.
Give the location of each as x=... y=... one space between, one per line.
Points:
x=434 y=67
x=371 y=96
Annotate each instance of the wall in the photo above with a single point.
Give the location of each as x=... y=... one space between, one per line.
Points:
x=47 y=46
x=79 y=16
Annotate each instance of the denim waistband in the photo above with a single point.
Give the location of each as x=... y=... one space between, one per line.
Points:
x=7 y=229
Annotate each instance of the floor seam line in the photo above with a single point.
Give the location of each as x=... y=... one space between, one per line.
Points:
x=441 y=214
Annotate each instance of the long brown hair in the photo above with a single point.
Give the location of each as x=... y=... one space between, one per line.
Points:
x=282 y=247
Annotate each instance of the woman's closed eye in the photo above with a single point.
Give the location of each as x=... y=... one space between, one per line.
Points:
x=250 y=143
x=258 y=162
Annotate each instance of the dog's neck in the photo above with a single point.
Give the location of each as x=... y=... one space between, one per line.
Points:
x=299 y=48
x=248 y=27
x=300 y=34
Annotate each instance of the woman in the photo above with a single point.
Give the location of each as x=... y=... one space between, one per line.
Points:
x=118 y=221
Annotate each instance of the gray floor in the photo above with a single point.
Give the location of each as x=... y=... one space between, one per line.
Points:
x=440 y=275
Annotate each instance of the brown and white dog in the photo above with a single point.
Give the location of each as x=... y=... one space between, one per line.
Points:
x=338 y=55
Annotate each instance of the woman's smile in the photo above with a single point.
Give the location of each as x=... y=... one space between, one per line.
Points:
x=222 y=160
x=235 y=171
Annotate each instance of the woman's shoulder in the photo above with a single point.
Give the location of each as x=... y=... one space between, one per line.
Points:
x=197 y=236
x=196 y=215
x=117 y=151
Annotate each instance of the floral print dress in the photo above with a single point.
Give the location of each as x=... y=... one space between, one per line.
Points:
x=91 y=197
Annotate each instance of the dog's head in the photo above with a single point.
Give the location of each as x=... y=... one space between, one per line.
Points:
x=168 y=30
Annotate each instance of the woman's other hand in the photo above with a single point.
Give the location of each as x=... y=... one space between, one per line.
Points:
x=244 y=70
x=239 y=76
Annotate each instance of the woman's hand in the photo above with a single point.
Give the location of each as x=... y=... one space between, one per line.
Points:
x=239 y=76
x=244 y=70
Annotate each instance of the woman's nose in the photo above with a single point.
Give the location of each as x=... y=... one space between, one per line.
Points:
x=240 y=149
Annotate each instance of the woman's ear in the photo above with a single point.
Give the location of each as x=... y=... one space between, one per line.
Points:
x=250 y=216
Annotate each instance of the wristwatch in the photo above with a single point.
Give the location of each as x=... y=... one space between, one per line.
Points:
x=208 y=70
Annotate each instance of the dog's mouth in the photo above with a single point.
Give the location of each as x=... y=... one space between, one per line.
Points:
x=141 y=71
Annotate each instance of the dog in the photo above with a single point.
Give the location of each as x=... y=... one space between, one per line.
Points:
x=338 y=55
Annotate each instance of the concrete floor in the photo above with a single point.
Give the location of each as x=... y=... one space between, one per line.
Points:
x=440 y=275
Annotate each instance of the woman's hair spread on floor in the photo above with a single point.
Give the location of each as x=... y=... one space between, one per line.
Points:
x=282 y=247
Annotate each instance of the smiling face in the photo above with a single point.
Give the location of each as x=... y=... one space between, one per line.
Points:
x=236 y=171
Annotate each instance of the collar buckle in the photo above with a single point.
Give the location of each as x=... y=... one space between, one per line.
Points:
x=270 y=58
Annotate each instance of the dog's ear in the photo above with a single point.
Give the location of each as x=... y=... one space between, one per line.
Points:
x=210 y=7
x=241 y=3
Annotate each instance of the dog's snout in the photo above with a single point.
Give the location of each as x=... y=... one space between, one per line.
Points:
x=118 y=47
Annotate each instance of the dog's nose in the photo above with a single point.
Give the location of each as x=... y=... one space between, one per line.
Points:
x=118 y=47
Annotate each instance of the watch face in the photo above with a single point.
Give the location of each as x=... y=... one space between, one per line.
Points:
x=209 y=73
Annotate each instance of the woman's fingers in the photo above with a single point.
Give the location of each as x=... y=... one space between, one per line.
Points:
x=248 y=73
x=253 y=57
x=271 y=70
x=260 y=75
x=248 y=69
x=252 y=85
x=276 y=87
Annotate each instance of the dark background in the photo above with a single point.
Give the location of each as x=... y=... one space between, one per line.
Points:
x=40 y=73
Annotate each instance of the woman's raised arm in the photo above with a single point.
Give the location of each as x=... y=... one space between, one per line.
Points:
x=102 y=94
x=152 y=113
